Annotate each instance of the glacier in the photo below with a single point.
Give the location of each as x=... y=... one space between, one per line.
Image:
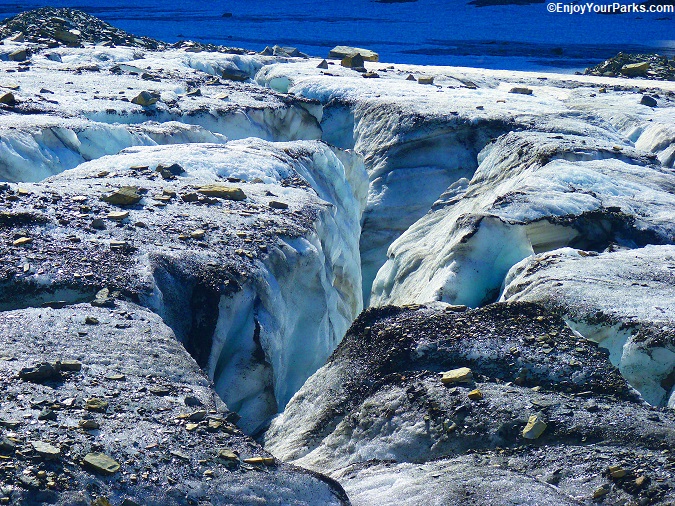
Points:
x=323 y=245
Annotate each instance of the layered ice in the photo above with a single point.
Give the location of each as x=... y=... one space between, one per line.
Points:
x=532 y=192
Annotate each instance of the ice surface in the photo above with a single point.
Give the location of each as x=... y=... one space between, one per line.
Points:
x=623 y=300
x=302 y=297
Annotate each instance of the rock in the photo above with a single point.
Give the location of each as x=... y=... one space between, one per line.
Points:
x=425 y=79
x=98 y=224
x=222 y=192
x=88 y=424
x=101 y=463
x=66 y=36
x=268 y=461
x=39 y=373
x=648 y=101
x=160 y=391
x=234 y=74
x=521 y=91
x=71 y=365
x=461 y=375
x=103 y=299
x=198 y=234
x=95 y=404
x=7 y=446
x=45 y=450
x=354 y=60
x=91 y=320
x=411 y=78
x=197 y=415
x=118 y=215
x=275 y=204
x=640 y=481
x=22 y=241
x=371 y=75
x=174 y=169
x=47 y=415
x=194 y=93
x=339 y=53
x=535 y=427
x=145 y=99
x=18 y=55
x=475 y=395
x=322 y=65
x=601 y=492
x=101 y=501
x=635 y=69
x=616 y=471
x=125 y=196
x=191 y=400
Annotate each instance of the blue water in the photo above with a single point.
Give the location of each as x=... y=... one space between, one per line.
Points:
x=441 y=32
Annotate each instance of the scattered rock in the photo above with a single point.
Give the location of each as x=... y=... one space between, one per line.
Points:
x=234 y=74
x=95 y=404
x=275 y=204
x=39 y=373
x=18 y=55
x=198 y=234
x=101 y=463
x=461 y=375
x=601 y=492
x=71 y=365
x=45 y=450
x=521 y=91
x=411 y=78
x=22 y=241
x=322 y=65
x=635 y=69
x=535 y=427
x=648 y=101
x=125 y=196
x=616 y=471
x=425 y=79
x=475 y=395
x=353 y=60
x=145 y=99
x=222 y=192
x=118 y=215
x=47 y=415
x=340 y=52
x=268 y=461
x=88 y=424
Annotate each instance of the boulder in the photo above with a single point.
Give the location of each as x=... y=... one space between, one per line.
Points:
x=145 y=99
x=7 y=98
x=648 y=101
x=635 y=69
x=353 y=60
x=339 y=52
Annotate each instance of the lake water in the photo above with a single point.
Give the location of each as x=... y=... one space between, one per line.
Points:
x=442 y=32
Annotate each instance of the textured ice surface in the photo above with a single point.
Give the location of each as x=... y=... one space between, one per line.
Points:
x=377 y=417
x=419 y=140
x=263 y=332
x=532 y=192
x=624 y=300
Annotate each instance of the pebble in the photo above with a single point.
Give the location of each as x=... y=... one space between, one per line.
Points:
x=475 y=395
